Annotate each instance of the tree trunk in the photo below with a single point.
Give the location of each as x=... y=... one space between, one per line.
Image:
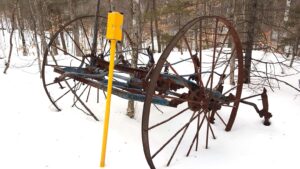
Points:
x=287 y=11
x=33 y=19
x=295 y=51
x=56 y=42
x=205 y=21
x=38 y=8
x=156 y=26
x=38 y=50
x=151 y=27
x=7 y=64
x=196 y=29
x=72 y=10
x=250 y=37
x=21 y=30
x=232 y=60
x=136 y=35
x=62 y=36
x=63 y=42
x=2 y=28
x=111 y=5
x=54 y=25
x=286 y=19
x=181 y=41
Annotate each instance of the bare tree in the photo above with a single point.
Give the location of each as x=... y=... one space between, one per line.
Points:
x=13 y=25
x=157 y=31
x=21 y=28
x=39 y=12
x=35 y=35
x=136 y=38
x=233 y=57
x=72 y=11
x=251 y=23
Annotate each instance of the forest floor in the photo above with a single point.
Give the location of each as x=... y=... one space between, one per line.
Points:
x=33 y=135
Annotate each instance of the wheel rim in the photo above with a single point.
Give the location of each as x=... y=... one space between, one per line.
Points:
x=192 y=113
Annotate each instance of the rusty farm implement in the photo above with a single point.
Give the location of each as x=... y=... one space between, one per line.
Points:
x=185 y=91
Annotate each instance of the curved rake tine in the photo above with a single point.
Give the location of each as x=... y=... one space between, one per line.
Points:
x=80 y=95
x=88 y=95
x=74 y=93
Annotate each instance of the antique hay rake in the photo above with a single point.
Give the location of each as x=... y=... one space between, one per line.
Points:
x=183 y=92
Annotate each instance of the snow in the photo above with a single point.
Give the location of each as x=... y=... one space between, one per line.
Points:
x=34 y=135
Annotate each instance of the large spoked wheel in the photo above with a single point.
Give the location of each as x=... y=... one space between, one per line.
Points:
x=200 y=59
x=70 y=64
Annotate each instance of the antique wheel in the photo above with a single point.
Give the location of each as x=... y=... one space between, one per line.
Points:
x=198 y=57
x=71 y=53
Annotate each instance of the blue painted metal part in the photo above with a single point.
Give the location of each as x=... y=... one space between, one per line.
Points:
x=120 y=87
x=117 y=87
x=179 y=80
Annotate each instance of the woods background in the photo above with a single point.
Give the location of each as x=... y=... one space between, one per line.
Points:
x=159 y=20
x=270 y=25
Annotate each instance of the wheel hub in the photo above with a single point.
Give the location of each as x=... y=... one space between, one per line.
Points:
x=197 y=100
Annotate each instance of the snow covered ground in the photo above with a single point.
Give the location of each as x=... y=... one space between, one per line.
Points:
x=33 y=135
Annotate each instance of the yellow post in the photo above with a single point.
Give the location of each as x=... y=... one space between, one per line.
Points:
x=114 y=34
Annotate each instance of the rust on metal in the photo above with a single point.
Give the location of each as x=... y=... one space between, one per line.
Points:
x=159 y=83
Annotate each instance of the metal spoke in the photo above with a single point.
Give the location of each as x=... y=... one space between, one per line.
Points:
x=199 y=81
x=207 y=130
x=188 y=46
x=200 y=49
x=84 y=30
x=78 y=46
x=230 y=90
x=221 y=118
x=167 y=120
x=166 y=143
x=74 y=93
x=178 y=76
x=66 y=92
x=213 y=59
x=67 y=53
x=198 y=128
x=210 y=128
x=196 y=136
x=80 y=95
x=179 y=141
